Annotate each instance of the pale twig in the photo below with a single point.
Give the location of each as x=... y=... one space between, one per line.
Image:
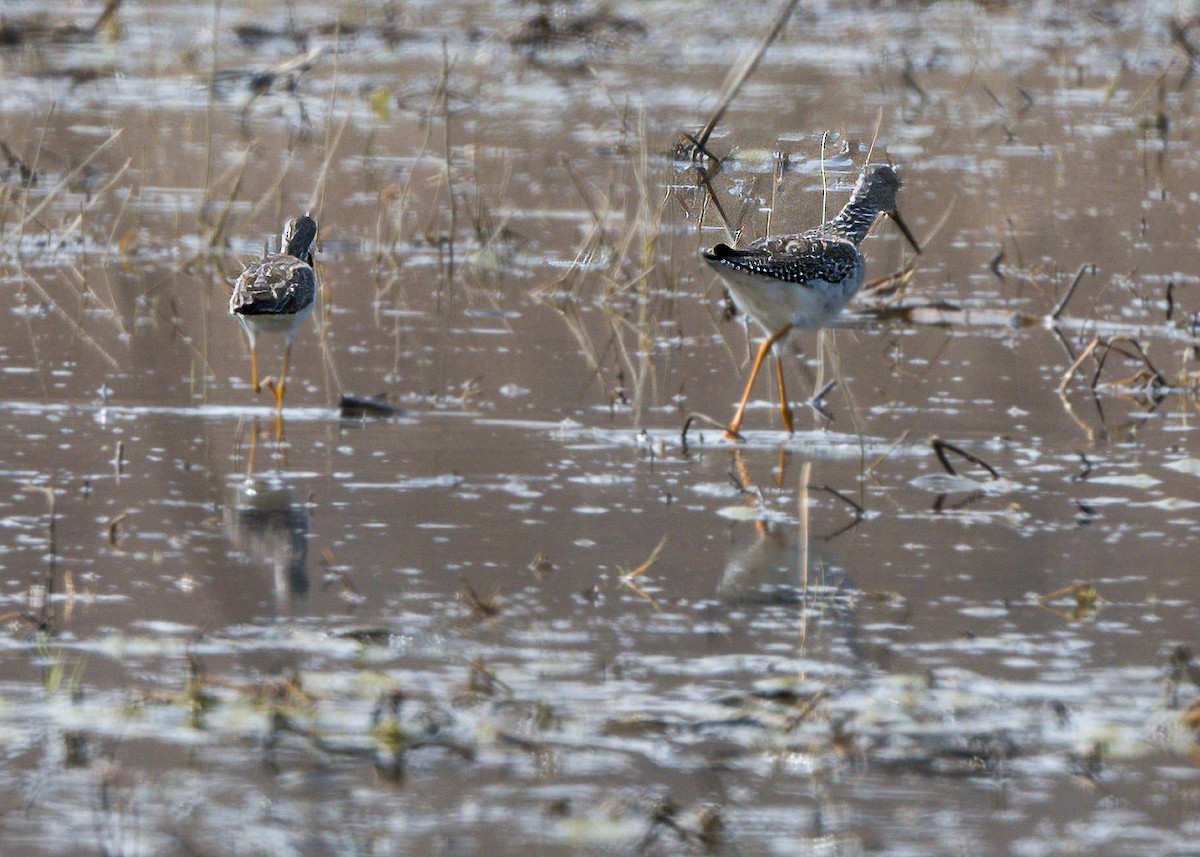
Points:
x=887 y=452
x=79 y=331
x=648 y=564
x=738 y=74
x=1062 y=304
x=69 y=177
x=89 y=205
x=629 y=578
x=1073 y=369
x=217 y=236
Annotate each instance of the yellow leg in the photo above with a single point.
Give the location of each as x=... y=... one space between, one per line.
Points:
x=732 y=431
x=278 y=389
x=254 y=369
x=785 y=407
x=253 y=448
x=781 y=466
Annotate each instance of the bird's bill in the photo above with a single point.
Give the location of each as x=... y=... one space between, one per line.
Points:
x=895 y=215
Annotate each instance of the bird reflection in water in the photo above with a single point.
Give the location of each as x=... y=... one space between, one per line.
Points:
x=265 y=522
x=778 y=567
x=786 y=565
x=783 y=564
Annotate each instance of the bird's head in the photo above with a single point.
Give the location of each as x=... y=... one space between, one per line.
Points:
x=876 y=190
x=299 y=235
x=877 y=187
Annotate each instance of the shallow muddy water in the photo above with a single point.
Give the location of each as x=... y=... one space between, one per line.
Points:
x=520 y=612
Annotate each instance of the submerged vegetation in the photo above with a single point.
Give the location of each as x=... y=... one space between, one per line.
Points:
x=494 y=582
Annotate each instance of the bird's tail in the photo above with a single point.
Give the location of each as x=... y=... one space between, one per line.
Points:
x=722 y=252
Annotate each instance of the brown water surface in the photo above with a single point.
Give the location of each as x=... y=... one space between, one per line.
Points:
x=518 y=615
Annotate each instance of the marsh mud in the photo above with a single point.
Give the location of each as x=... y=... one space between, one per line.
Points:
x=498 y=605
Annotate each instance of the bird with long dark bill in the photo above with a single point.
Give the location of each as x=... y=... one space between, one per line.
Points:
x=274 y=295
x=802 y=280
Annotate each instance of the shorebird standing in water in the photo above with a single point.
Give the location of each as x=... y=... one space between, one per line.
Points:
x=803 y=280
x=276 y=294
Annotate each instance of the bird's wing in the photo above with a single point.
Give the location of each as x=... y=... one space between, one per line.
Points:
x=277 y=285
x=800 y=258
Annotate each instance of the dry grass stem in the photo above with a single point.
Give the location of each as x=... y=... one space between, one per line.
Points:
x=19 y=229
x=740 y=72
x=649 y=563
x=1066 y=298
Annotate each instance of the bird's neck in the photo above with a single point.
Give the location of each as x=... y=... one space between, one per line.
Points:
x=854 y=221
x=300 y=252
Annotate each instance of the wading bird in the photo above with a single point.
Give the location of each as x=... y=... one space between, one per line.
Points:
x=276 y=294
x=785 y=282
